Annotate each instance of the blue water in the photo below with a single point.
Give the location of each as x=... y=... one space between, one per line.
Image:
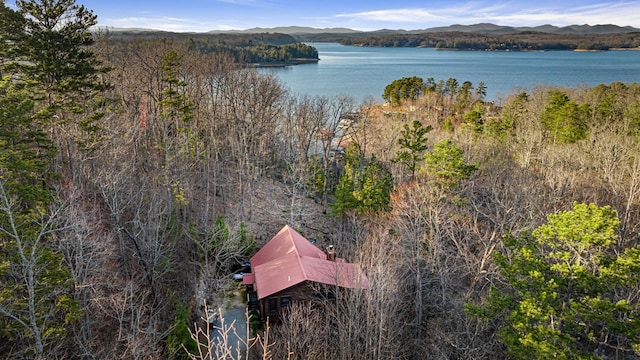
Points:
x=363 y=72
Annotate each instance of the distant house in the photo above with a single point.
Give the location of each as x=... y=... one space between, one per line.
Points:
x=324 y=134
x=285 y=269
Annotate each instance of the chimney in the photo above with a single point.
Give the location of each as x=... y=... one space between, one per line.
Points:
x=331 y=253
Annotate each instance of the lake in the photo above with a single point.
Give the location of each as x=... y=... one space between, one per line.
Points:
x=365 y=71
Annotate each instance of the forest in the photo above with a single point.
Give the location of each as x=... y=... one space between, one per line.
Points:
x=523 y=41
x=249 y=49
x=136 y=176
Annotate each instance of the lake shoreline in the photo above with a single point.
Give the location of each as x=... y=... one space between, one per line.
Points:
x=278 y=64
x=363 y=72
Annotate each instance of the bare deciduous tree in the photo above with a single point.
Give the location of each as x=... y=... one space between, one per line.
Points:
x=35 y=297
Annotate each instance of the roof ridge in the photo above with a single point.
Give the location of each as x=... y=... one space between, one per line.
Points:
x=295 y=248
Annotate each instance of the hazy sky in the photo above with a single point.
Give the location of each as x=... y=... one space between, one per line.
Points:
x=205 y=15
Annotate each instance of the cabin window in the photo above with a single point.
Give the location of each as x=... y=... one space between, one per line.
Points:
x=272 y=306
x=285 y=301
x=324 y=296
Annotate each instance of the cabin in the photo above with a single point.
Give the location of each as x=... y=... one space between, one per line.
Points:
x=289 y=269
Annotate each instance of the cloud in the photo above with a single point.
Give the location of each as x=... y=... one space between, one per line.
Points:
x=242 y=2
x=507 y=13
x=619 y=13
x=393 y=15
x=166 y=23
x=459 y=14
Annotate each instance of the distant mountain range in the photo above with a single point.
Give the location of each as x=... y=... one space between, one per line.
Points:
x=484 y=36
x=551 y=29
x=291 y=30
x=477 y=28
x=483 y=28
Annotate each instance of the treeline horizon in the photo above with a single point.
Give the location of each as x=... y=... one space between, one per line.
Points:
x=268 y=48
x=523 y=41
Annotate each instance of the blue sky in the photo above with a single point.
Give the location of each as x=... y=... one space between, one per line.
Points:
x=205 y=15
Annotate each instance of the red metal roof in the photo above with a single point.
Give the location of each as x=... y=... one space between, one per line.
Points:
x=289 y=259
x=248 y=279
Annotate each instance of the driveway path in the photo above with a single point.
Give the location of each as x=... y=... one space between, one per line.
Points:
x=229 y=334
